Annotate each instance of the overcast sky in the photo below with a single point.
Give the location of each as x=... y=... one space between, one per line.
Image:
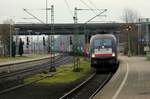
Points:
x=12 y=9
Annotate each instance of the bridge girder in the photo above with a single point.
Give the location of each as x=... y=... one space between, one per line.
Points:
x=66 y=29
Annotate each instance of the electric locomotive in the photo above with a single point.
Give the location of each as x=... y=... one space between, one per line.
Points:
x=103 y=51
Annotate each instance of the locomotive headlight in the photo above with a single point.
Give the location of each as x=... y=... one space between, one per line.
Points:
x=93 y=55
x=113 y=54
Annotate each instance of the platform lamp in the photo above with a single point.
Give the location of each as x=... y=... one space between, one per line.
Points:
x=17 y=43
x=128 y=29
x=147 y=37
x=44 y=43
x=10 y=39
x=30 y=37
x=38 y=45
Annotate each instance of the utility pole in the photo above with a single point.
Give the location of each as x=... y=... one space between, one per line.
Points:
x=52 y=49
x=50 y=38
x=99 y=14
x=76 y=28
x=75 y=18
x=76 y=40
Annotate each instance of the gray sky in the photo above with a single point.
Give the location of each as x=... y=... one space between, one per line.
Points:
x=13 y=9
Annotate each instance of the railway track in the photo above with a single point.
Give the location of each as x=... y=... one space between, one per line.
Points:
x=15 y=66
x=33 y=68
x=89 y=88
x=30 y=71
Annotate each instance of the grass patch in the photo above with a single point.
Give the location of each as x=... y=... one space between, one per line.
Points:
x=64 y=74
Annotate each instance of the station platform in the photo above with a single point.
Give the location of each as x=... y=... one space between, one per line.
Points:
x=22 y=59
x=131 y=81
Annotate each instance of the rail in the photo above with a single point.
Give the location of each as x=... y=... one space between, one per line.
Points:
x=25 y=61
x=59 y=62
x=78 y=87
x=88 y=88
x=11 y=67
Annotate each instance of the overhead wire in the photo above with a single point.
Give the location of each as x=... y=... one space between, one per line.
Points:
x=89 y=6
x=83 y=2
x=95 y=12
x=69 y=8
x=92 y=4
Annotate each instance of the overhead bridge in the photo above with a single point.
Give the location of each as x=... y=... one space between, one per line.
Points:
x=67 y=29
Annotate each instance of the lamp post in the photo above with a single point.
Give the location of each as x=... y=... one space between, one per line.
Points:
x=129 y=40
x=10 y=40
x=30 y=38
x=129 y=43
x=17 y=44
x=44 y=44
x=147 y=36
x=38 y=47
x=139 y=37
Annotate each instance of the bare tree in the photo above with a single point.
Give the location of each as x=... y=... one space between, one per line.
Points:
x=131 y=17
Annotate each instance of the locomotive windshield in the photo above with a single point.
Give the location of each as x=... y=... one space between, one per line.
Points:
x=102 y=42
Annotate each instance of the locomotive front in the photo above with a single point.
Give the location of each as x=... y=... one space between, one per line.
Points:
x=103 y=51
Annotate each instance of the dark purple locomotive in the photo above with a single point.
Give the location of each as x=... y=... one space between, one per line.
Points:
x=103 y=52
